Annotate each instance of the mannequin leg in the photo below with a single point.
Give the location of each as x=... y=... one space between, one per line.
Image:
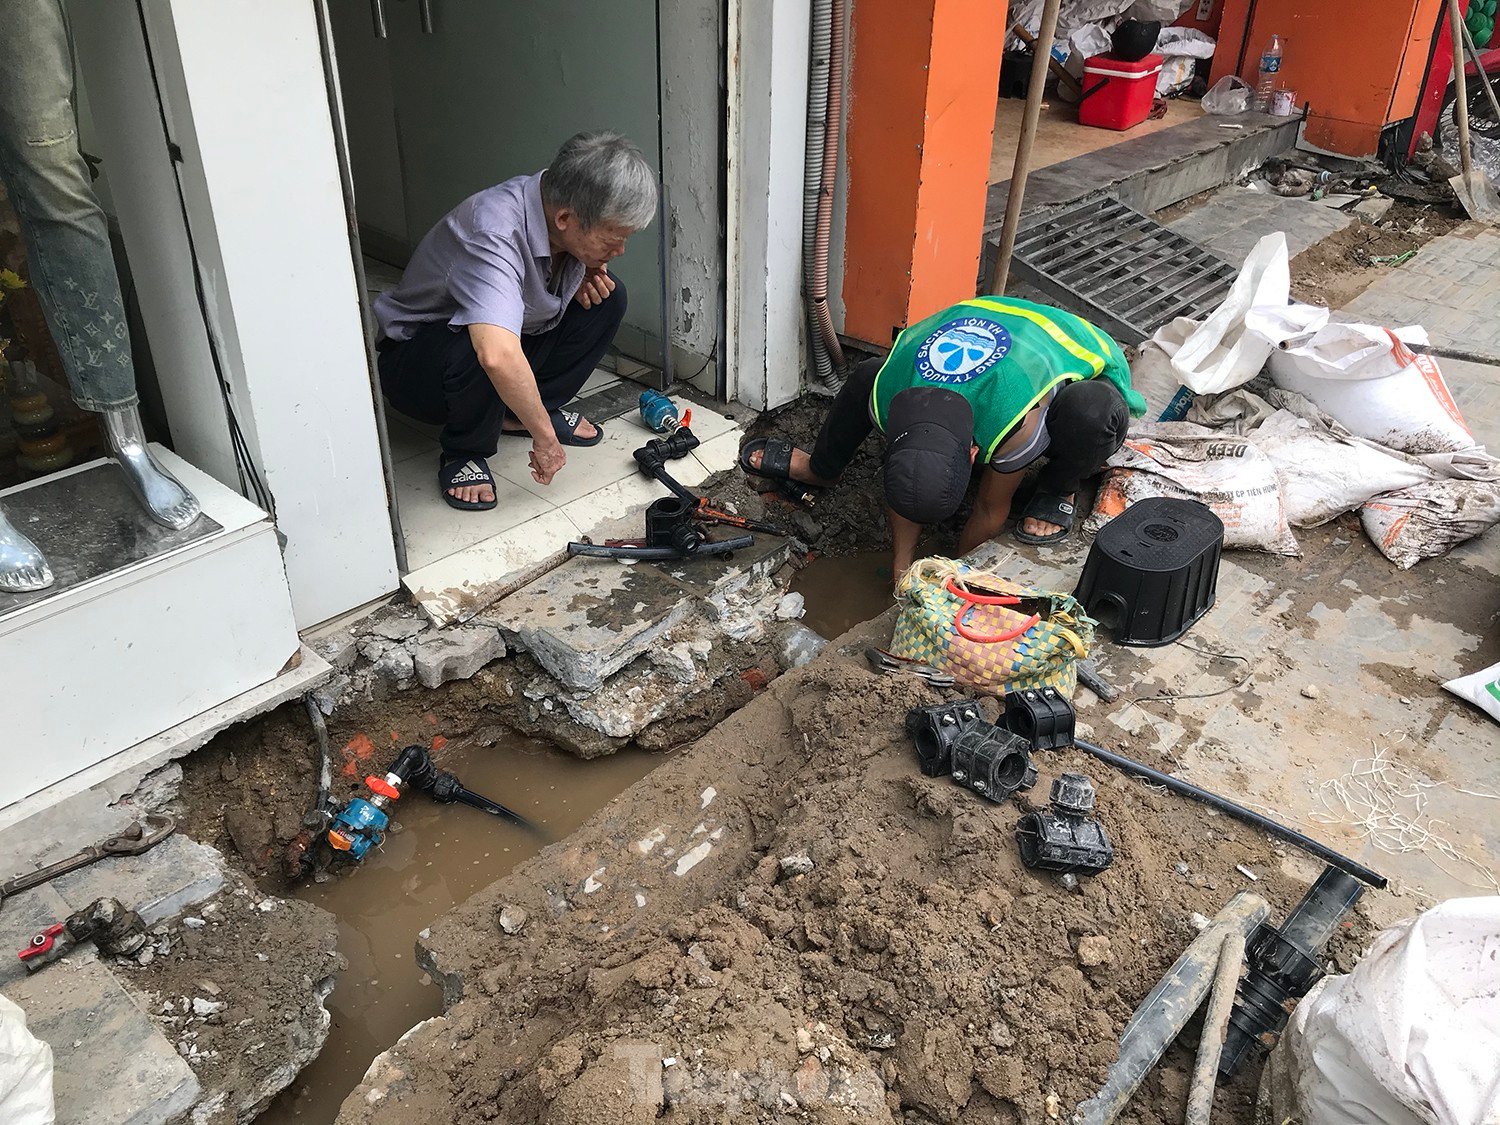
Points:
x=22 y=566
x=67 y=242
x=166 y=501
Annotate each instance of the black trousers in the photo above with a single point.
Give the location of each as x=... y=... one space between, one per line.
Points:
x=436 y=378
x=1086 y=422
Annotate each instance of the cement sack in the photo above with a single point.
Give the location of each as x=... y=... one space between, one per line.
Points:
x=1324 y=475
x=1481 y=689
x=25 y=1071
x=1179 y=459
x=1367 y=379
x=1430 y=519
x=1410 y=1037
x=1229 y=348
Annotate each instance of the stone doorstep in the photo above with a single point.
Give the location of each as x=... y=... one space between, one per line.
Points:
x=589 y=618
x=111 y=1064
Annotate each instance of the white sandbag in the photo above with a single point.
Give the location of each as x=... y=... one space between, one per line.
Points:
x=1227 y=473
x=1430 y=519
x=1480 y=688
x=25 y=1071
x=1364 y=376
x=1323 y=475
x=1232 y=345
x=1180 y=49
x=1410 y=1037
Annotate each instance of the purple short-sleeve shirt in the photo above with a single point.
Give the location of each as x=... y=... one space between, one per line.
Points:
x=488 y=261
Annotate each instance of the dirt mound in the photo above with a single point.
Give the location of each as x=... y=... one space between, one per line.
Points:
x=1335 y=270
x=837 y=937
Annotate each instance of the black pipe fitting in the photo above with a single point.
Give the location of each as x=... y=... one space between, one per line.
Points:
x=993 y=762
x=1064 y=838
x=1283 y=965
x=936 y=728
x=1041 y=716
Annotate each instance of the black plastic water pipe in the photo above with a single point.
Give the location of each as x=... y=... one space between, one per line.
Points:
x=1239 y=812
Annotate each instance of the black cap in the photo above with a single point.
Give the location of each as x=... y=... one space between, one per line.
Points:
x=928 y=462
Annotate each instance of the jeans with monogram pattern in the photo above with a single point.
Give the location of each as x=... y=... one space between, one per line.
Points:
x=67 y=238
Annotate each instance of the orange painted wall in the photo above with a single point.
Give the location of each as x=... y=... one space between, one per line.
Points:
x=1358 y=70
x=923 y=85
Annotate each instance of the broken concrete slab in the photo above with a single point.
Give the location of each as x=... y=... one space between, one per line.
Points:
x=111 y=1065
x=589 y=618
x=157 y=884
x=456 y=653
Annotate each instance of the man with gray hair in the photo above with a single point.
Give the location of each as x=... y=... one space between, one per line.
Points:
x=507 y=305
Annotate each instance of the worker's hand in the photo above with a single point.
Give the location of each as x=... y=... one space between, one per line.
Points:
x=547 y=459
x=596 y=288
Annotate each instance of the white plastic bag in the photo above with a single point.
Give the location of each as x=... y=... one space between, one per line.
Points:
x=1366 y=378
x=1481 y=689
x=1180 y=48
x=25 y=1071
x=1430 y=519
x=1410 y=1037
x=1228 y=95
x=1232 y=345
x=1227 y=473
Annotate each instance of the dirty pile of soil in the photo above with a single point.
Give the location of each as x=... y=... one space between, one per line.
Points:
x=854 y=942
x=1337 y=269
x=237 y=985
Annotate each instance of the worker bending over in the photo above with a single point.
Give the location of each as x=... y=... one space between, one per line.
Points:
x=994 y=381
x=506 y=307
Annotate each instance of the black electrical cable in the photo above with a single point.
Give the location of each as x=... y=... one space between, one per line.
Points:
x=244 y=462
x=1238 y=811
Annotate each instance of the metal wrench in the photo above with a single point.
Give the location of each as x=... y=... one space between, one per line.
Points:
x=140 y=837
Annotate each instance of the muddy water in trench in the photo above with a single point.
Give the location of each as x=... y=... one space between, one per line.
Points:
x=442 y=855
x=840 y=593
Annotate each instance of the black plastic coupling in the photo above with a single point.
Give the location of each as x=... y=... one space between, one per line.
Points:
x=1041 y=716
x=1064 y=838
x=935 y=728
x=1283 y=964
x=993 y=762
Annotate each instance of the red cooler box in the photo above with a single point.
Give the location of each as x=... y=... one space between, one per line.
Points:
x=1117 y=95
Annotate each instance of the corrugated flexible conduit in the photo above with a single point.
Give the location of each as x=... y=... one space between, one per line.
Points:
x=824 y=110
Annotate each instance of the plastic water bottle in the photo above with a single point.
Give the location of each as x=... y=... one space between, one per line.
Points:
x=1270 y=67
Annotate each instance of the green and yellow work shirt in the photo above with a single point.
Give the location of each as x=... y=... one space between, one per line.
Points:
x=1005 y=356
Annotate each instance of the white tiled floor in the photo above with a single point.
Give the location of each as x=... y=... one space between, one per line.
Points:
x=457 y=556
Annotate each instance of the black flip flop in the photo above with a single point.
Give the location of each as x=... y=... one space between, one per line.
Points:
x=457 y=472
x=775 y=465
x=1048 y=508
x=565 y=425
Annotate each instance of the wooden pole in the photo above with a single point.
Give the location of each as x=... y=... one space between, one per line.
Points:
x=1461 y=96
x=1042 y=52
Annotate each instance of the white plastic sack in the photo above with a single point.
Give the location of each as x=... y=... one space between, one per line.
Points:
x=1430 y=519
x=1228 y=95
x=1481 y=689
x=1410 y=1037
x=1083 y=44
x=1179 y=459
x=1365 y=377
x=1180 y=48
x=1229 y=348
x=25 y=1071
x=1325 y=473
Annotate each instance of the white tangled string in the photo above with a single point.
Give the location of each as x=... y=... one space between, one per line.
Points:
x=1392 y=807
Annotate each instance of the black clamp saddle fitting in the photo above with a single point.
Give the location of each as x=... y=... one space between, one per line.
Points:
x=992 y=762
x=1065 y=838
x=1041 y=716
x=936 y=728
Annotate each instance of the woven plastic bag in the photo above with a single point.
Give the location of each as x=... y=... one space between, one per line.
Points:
x=961 y=621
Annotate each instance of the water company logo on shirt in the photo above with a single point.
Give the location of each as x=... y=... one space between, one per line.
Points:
x=962 y=350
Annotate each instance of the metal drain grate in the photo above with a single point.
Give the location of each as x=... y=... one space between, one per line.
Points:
x=1119 y=268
